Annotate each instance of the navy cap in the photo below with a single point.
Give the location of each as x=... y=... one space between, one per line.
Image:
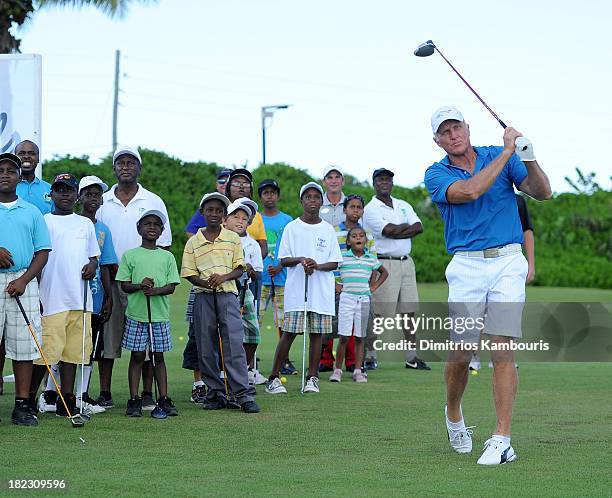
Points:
x=224 y=172
x=7 y=156
x=241 y=172
x=268 y=182
x=381 y=171
x=66 y=179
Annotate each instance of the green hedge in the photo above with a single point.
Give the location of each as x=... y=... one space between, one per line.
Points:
x=573 y=232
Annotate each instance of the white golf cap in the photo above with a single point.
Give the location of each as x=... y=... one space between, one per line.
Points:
x=250 y=203
x=215 y=195
x=88 y=181
x=314 y=185
x=126 y=149
x=153 y=212
x=332 y=167
x=443 y=114
x=235 y=206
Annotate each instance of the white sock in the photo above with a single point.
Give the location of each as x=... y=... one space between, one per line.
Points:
x=456 y=426
x=505 y=439
x=50 y=385
x=82 y=388
x=198 y=383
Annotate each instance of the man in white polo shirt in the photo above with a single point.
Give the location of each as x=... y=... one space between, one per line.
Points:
x=394 y=223
x=122 y=206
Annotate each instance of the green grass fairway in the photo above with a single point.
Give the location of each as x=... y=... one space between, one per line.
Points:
x=384 y=438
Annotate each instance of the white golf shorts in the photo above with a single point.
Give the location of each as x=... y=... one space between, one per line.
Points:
x=353 y=314
x=490 y=291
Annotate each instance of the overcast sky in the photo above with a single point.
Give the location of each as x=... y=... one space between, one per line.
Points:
x=196 y=73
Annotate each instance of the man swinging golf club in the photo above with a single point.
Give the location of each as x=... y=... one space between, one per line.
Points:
x=473 y=189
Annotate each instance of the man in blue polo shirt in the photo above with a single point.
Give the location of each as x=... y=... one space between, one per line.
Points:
x=24 y=249
x=473 y=188
x=31 y=188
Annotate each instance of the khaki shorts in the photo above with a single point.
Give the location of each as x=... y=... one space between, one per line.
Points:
x=63 y=337
x=398 y=295
x=114 y=328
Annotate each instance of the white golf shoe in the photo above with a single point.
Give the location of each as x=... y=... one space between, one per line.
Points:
x=259 y=379
x=312 y=385
x=275 y=386
x=89 y=409
x=496 y=452
x=460 y=440
x=44 y=406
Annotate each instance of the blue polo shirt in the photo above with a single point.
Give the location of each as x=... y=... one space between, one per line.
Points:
x=491 y=220
x=196 y=222
x=38 y=193
x=23 y=233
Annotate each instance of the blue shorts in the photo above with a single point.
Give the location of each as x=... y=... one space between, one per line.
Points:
x=136 y=336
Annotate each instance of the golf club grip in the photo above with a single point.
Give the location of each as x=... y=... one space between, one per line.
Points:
x=149 y=308
x=85 y=284
x=306 y=287
x=25 y=316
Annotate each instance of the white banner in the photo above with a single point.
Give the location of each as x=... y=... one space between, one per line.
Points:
x=20 y=100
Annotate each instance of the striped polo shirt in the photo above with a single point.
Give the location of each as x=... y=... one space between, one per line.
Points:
x=202 y=258
x=355 y=272
x=341 y=234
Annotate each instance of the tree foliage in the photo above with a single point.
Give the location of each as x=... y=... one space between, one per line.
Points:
x=572 y=231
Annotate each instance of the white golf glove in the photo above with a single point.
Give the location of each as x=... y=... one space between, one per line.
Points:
x=524 y=149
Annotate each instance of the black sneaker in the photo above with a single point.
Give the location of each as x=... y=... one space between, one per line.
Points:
x=60 y=409
x=370 y=364
x=217 y=403
x=134 y=407
x=24 y=414
x=288 y=368
x=198 y=394
x=105 y=401
x=250 y=407
x=417 y=364
x=148 y=403
x=165 y=403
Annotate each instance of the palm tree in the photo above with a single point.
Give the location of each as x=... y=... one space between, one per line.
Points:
x=19 y=11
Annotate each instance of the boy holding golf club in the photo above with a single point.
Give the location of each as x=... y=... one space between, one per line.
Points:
x=24 y=249
x=240 y=213
x=212 y=261
x=148 y=275
x=65 y=296
x=309 y=250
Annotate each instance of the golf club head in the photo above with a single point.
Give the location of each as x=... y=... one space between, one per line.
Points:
x=77 y=420
x=425 y=49
x=158 y=413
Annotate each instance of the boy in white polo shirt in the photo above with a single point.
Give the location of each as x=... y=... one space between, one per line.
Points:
x=309 y=247
x=63 y=282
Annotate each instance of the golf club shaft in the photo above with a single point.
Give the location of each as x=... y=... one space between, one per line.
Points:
x=503 y=125
x=42 y=354
x=220 y=344
x=85 y=284
x=304 y=331
x=150 y=327
x=274 y=308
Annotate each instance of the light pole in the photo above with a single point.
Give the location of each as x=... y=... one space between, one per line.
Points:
x=268 y=111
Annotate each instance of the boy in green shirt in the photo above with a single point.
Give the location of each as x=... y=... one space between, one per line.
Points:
x=149 y=272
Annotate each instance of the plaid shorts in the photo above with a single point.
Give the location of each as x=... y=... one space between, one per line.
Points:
x=17 y=338
x=136 y=336
x=249 y=320
x=277 y=304
x=315 y=323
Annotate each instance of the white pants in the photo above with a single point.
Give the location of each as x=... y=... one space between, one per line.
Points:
x=491 y=290
x=353 y=311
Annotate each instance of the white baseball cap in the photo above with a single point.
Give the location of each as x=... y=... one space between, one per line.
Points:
x=314 y=185
x=250 y=203
x=126 y=149
x=443 y=114
x=88 y=181
x=153 y=212
x=332 y=167
x=235 y=206
x=215 y=195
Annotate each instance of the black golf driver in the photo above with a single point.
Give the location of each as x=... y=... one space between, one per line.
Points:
x=426 y=49
x=157 y=412
x=76 y=420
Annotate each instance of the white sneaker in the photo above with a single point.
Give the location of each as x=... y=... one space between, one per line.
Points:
x=312 y=385
x=275 y=386
x=89 y=409
x=259 y=379
x=43 y=406
x=336 y=375
x=496 y=452
x=460 y=440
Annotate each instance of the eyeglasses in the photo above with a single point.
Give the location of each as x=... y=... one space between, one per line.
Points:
x=241 y=184
x=126 y=164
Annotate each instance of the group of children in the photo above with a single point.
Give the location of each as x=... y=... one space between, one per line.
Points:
x=72 y=255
